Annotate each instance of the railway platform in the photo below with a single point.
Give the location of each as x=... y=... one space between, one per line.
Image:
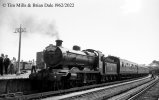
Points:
x=151 y=94
x=14 y=76
x=12 y=82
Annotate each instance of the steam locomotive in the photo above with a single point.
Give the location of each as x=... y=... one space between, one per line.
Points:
x=88 y=66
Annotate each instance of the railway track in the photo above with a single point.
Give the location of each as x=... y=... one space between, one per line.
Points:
x=54 y=94
x=144 y=89
x=103 y=93
x=132 y=94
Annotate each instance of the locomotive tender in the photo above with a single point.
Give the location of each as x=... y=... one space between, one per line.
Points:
x=85 y=67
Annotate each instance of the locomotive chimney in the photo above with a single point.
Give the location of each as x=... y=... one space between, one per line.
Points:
x=77 y=48
x=59 y=42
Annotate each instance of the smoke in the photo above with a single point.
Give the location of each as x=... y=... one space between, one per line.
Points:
x=34 y=24
x=40 y=26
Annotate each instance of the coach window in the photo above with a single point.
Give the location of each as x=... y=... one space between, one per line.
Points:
x=136 y=66
x=133 y=66
x=126 y=64
x=122 y=64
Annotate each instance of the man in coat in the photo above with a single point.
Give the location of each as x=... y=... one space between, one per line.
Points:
x=6 y=63
x=1 y=64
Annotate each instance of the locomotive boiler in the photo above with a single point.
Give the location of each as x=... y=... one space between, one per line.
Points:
x=54 y=56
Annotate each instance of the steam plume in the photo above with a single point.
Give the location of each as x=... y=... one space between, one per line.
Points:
x=33 y=24
x=40 y=26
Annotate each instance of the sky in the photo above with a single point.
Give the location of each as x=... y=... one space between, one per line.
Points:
x=128 y=29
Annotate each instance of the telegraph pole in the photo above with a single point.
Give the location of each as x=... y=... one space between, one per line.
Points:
x=20 y=31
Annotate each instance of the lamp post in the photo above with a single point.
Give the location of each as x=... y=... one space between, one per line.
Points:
x=19 y=30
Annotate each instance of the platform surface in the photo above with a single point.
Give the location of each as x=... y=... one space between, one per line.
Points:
x=14 y=76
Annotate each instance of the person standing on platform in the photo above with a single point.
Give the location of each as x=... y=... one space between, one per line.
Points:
x=33 y=67
x=6 y=63
x=13 y=65
x=1 y=64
